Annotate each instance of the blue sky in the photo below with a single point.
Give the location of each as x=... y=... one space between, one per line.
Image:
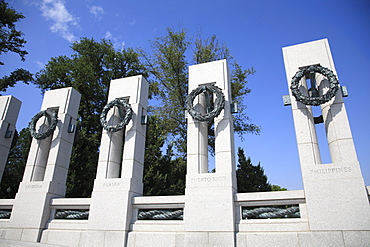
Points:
x=255 y=32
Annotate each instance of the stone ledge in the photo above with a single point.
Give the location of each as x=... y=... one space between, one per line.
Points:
x=158 y=201
x=13 y=243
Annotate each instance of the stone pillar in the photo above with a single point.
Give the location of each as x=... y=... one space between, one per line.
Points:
x=9 y=110
x=209 y=210
x=111 y=210
x=335 y=193
x=46 y=169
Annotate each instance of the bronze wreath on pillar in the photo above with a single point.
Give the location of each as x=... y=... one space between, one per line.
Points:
x=308 y=100
x=52 y=118
x=125 y=113
x=218 y=105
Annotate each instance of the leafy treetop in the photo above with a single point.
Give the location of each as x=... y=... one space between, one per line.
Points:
x=10 y=38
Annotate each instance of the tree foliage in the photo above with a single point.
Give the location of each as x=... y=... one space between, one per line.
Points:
x=171 y=56
x=89 y=70
x=275 y=187
x=14 y=77
x=163 y=174
x=250 y=178
x=170 y=84
x=11 y=40
x=169 y=65
x=15 y=165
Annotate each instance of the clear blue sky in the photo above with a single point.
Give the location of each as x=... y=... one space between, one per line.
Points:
x=255 y=32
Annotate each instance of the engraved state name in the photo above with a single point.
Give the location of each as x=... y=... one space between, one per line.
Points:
x=33 y=186
x=334 y=170
x=109 y=184
x=209 y=179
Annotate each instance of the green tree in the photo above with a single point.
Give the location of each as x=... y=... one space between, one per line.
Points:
x=170 y=84
x=16 y=163
x=89 y=70
x=153 y=179
x=275 y=187
x=210 y=49
x=163 y=174
x=11 y=40
x=250 y=178
x=14 y=77
x=169 y=65
x=172 y=55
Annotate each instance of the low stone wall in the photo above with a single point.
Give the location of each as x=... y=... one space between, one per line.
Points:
x=280 y=231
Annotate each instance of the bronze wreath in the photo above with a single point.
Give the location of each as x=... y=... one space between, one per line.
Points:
x=219 y=103
x=307 y=100
x=52 y=118
x=124 y=119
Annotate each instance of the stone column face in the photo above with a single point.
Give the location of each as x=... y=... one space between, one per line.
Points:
x=9 y=110
x=209 y=197
x=335 y=193
x=46 y=168
x=120 y=170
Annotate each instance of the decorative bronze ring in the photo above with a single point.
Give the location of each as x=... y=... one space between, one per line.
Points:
x=218 y=105
x=52 y=118
x=120 y=103
x=307 y=100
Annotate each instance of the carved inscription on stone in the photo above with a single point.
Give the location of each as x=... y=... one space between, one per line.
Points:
x=334 y=170
x=109 y=184
x=33 y=186
x=209 y=179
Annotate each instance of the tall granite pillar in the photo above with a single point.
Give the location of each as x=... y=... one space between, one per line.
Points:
x=335 y=193
x=9 y=110
x=209 y=210
x=46 y=169
x=120 y=167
